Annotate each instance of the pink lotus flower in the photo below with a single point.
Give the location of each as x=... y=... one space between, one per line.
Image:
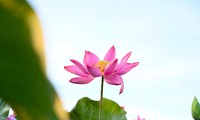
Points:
x=138 y=118
x=93 y=67
x=123 y=107
x=11 y=117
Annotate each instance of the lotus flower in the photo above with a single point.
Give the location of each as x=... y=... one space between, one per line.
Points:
x=93 y=67
x=138 y=118
x=11 y=117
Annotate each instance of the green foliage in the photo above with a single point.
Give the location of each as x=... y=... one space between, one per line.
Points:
x=195 y=109
x=23 y=83
x=87 y=109
x=4 y=110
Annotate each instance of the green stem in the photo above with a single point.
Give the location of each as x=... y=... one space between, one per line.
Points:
x=101 y=99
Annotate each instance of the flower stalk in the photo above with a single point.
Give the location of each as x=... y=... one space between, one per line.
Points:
x=101 y=99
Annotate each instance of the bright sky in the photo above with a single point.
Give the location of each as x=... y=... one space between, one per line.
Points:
x=163 y=35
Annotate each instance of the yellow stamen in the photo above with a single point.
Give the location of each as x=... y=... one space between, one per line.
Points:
x=101 y=65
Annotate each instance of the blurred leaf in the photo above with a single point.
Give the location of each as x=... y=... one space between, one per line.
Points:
x=87 y=109
x=23 y=83
x=195 y=109
x=4 y=110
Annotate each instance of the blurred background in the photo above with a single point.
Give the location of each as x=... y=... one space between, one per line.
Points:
x=163 y=35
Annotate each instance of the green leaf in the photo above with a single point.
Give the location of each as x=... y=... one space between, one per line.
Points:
x=4 y=110
x=87 y=109
x=195 y=109
x=23 y=82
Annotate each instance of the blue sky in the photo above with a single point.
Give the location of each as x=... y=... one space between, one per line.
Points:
x=163 y=35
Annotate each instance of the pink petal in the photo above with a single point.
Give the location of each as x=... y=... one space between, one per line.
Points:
x=90 y=59
x=122 y=88
x=94 y=71
x=75 y=70
x=81 y=80
x=79 y=65
x=123 y=61
x=11 y=117
x=138 y=118
x=110 y=55
x=114 y=79
x=126 y=68
x=110 y=68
